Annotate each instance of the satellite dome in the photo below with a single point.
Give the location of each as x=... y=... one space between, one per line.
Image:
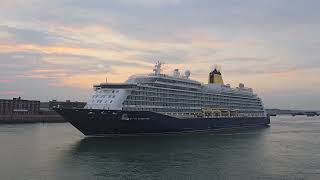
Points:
x=187 y=73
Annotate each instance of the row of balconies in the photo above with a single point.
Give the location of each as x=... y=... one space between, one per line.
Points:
x=196 y=92
x=186 y=99
x=193 y=94
x=192 y=98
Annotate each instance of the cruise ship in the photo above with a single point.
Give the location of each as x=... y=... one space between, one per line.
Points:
x=157 y=103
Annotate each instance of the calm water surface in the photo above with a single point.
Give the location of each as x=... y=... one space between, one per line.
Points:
x=289 y=149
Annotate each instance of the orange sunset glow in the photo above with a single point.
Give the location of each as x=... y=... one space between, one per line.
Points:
x=66 y=50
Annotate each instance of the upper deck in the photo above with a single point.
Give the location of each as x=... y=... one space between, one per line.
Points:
x=174 y=94
x=178 y=81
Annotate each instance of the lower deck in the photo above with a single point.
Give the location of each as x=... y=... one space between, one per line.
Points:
x=99 y=122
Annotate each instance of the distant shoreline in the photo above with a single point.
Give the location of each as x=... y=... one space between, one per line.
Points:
x=52 y=118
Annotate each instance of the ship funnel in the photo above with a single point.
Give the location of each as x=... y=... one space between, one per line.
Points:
x=215 y=76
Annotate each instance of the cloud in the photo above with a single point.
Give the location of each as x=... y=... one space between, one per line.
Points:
x=19 y=35
x=6 y=80
x=64 y=70
x=149 y=2
x=12 y=93
x=242 y=59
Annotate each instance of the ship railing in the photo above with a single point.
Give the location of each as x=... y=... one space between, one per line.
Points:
x=191 y=95
x=116 y=86
x=198 y=100
x=201 y=116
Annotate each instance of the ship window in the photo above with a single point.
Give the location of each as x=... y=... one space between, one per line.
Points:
x=113 y=91
x=113 y=96
x=111 y=101
x=109 y=96
x=117 y=91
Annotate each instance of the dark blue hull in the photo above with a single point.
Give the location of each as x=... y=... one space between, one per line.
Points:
x=105 y=122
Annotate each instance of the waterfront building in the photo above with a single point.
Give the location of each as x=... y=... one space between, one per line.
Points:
x=19 y=106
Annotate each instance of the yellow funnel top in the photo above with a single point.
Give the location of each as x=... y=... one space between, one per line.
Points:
x=215 y=77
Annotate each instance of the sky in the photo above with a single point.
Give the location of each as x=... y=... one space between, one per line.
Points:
x=59 y=49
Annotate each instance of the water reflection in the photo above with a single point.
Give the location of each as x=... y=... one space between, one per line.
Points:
x=182 y=156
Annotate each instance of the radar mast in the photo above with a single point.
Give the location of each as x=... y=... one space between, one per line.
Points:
x=157 y=68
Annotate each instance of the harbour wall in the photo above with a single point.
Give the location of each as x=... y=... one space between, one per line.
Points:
x=16 y=119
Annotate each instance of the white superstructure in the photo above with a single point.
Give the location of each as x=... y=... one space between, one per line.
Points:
x=177 y=95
